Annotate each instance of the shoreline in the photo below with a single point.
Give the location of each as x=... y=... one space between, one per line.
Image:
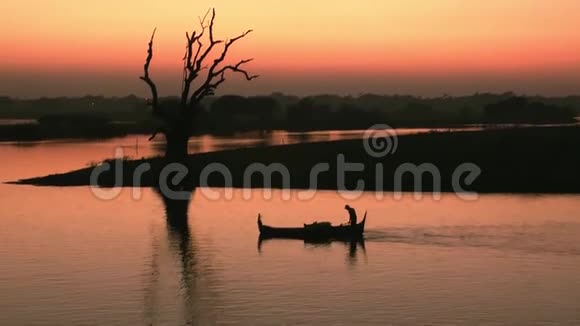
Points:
x=33 y=132
x=534 y=160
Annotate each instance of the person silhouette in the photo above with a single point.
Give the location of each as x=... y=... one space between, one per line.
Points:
x=351 y=215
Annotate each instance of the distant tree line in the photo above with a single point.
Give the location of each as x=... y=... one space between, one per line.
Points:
x=232 y=113
x=115 y=108
x=523 y=110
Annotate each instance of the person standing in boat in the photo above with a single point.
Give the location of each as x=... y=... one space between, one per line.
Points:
x=351 y=215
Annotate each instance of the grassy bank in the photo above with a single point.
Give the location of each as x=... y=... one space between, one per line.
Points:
x=522 y=160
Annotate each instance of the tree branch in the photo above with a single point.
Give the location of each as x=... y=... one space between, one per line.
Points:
x=192 y=63
x=158 y=131
x=209 y=86
x=212 y=43
x=155 y=98
x=236 y=68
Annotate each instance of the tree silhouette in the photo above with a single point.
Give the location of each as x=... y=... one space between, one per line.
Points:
x=197 y=84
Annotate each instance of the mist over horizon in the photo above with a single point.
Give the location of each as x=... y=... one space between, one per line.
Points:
x=27 y=86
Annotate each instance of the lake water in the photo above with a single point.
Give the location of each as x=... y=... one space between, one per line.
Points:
x=67 y=257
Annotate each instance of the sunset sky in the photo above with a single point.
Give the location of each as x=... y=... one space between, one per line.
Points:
x=424 y=47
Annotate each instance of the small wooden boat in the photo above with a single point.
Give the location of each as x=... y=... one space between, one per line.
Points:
x=315 y=231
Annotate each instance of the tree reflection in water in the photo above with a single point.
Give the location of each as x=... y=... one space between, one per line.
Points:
x=196 y=281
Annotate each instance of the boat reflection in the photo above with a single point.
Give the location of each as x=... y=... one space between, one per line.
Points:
x=353 y=245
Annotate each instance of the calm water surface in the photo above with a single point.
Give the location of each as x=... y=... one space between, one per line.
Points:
x=69 y=258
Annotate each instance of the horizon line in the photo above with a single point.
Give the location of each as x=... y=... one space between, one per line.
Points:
x=278 y=93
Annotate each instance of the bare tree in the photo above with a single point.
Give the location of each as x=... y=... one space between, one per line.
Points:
x=201 y=77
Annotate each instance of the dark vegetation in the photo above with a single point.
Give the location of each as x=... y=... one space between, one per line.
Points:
x=107 y=117
x=521 y=109
x=70 y=126
x=519 y=160
x=86 y=117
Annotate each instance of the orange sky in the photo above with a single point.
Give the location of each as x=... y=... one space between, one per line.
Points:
x=63 y=47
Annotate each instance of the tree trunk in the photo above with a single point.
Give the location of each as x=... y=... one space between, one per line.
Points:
x=176 y=139
x=176 y=147
x=176 y=152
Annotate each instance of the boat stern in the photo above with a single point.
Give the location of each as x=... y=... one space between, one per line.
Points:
x=260 y=221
